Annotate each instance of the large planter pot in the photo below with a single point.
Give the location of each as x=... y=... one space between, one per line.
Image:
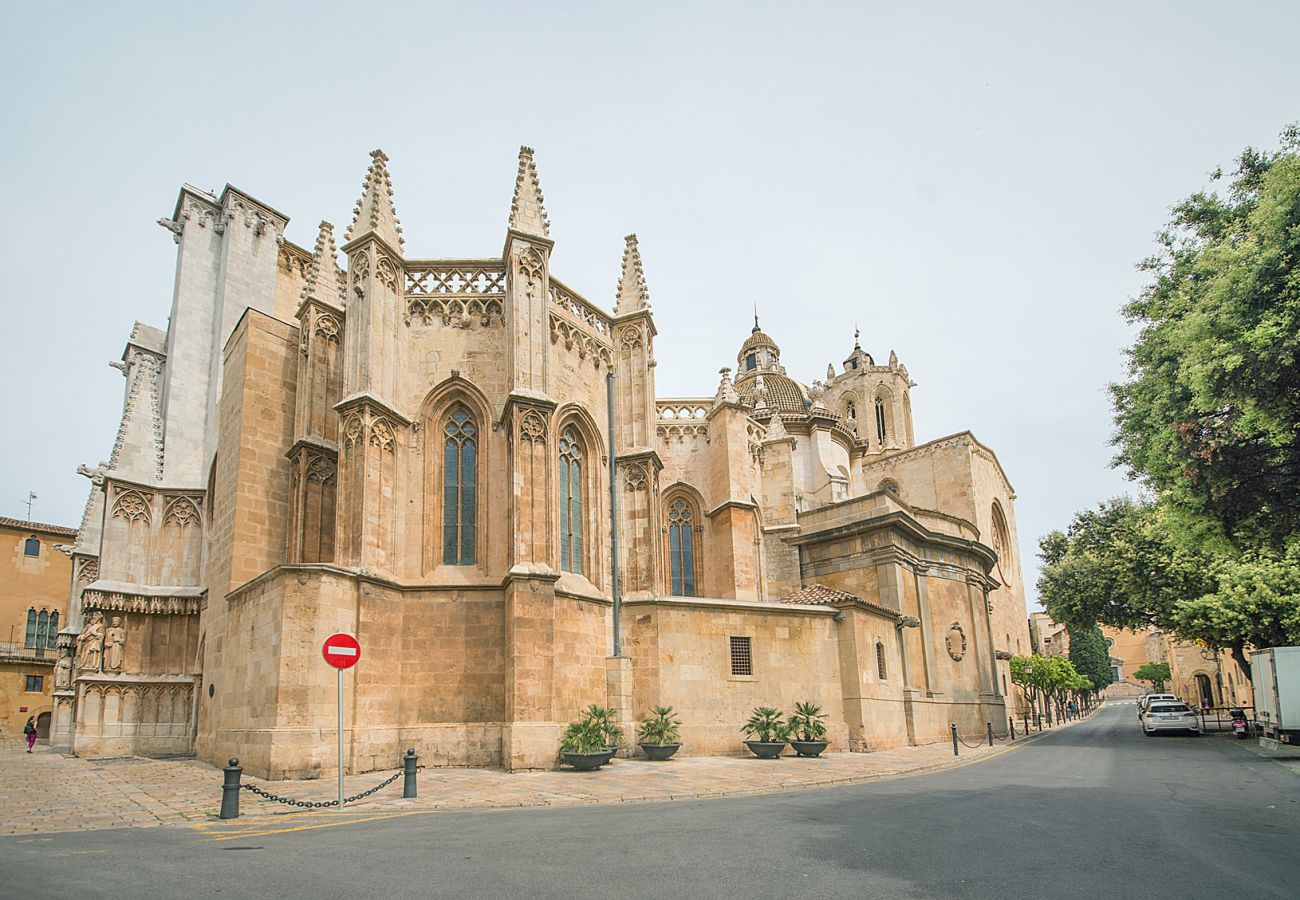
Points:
x=585 y=762
x=660 y=751
x=809 y=748
x=766 y=749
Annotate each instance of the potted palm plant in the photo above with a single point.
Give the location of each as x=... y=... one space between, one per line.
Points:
x=768 y=732
x=658 y=734
x=583 y=745
x=807 y=730
x=603 y=716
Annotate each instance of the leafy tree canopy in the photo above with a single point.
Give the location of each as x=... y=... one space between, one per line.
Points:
x=1209 y=416
x=1089 y=654
x=1120 y=565
x=1155 y=672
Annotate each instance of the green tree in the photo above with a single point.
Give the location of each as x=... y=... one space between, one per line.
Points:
x=1209 y=416
x=1119 y=565
x=1089 y=654
x=1155 y=672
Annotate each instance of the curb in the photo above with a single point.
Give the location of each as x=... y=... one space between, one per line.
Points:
x=704 y=794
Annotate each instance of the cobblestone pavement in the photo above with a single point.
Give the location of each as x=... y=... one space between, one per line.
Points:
x=50 y=791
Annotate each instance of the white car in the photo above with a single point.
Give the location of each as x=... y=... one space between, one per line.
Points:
x=1162 y=715
x=1154 y=698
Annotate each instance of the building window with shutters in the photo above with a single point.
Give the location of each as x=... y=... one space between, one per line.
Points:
x=571 y=517
x=459 y=488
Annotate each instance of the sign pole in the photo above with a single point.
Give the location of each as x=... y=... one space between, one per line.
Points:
x=340 y=740
x=342 y=651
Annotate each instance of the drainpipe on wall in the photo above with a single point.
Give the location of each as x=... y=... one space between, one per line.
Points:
x=613 y=516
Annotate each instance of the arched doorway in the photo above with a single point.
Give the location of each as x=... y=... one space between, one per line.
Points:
x=43 y=726
x=1204 y=689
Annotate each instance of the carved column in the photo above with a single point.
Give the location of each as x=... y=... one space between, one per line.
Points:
x=373 y=437
x=528 y=289
x=532 y=461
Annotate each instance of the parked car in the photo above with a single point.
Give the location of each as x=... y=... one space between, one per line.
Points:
x=1146 y=699
x=1165 y=716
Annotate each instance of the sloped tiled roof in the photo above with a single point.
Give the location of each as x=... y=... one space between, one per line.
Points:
x=818 y=595
x=37 y=527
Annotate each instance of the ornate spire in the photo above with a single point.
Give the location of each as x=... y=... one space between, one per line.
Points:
x=726 y=390
x=893 y=360
x=830 y=372
x=374 y=211
x=527 y=214
x=325 y=280
x=633 y=295
x=776 y=431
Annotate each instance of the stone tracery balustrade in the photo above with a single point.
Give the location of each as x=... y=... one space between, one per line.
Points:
x=580 y=309
x=454 y=277
x=463 y=293
x=678 y=409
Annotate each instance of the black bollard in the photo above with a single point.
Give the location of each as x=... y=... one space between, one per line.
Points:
x=408 y=772
x=954 y=739
x=1011 y=727
x=1026 y=723
x=990 y=728
x=230 y=790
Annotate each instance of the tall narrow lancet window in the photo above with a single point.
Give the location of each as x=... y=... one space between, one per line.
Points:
x=52 y=636
x=30 y=638
x=880 y=420
x=570 y=502
x=42 y=630
x=459 y=489
x=681 y=549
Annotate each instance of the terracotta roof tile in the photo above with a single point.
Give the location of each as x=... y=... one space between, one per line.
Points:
x=24 y=525
x=818 y=595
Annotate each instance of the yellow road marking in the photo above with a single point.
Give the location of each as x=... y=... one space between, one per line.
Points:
x=257 y=831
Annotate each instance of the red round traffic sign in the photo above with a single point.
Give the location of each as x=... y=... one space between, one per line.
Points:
x=342 y=651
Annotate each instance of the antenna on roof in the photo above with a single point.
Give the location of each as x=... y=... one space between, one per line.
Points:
x=31 y=497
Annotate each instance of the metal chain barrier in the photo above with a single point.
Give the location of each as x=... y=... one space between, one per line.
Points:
x=231 y=787
x=969 y=746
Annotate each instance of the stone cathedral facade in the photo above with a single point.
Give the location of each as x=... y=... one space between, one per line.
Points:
x=419 y=452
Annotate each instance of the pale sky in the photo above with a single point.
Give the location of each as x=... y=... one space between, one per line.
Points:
x=971 y=184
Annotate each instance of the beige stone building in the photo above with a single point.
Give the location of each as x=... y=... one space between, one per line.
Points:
x=34 y=579
x=1198 y=674
x=421 y=452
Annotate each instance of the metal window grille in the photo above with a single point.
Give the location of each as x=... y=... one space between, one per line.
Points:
x=742 y=659
x=880 y=660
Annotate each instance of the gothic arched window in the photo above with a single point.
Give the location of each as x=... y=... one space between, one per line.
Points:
x=681 y=548
x=459 y=488
x=42 y=630
x=32 y=546
x=570 y=501
x=851 y=411
x=881 y=432
x=51 y=636
x=30 y=640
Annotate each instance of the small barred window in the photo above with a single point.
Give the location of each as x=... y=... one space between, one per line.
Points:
x=880 y=660
x=742 y=659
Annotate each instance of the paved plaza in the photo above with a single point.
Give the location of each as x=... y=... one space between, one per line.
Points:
x=50 y=791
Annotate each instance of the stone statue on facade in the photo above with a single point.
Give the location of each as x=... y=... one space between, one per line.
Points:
x=114 y=641
x=63 y=673
x=90 y=643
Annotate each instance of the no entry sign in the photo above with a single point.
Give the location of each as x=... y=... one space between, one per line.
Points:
x=341 y=650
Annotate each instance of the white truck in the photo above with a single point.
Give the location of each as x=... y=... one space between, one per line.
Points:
x=1275 y=674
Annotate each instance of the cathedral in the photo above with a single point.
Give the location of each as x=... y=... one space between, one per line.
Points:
x=464 y=463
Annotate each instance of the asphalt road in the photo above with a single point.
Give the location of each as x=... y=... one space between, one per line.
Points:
x=1094 y=811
